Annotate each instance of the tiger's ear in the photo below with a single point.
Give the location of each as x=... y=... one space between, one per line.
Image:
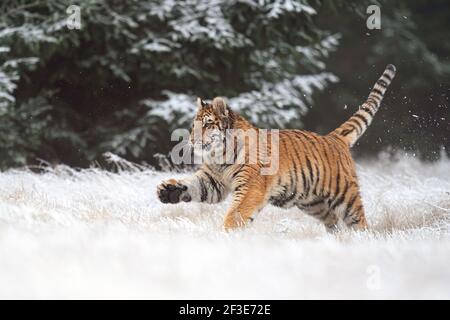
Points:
x=201 y=103
x=221 y=107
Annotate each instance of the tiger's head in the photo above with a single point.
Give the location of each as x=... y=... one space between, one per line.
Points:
x=210 y=124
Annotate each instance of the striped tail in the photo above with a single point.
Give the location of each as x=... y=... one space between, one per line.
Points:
x=353 y=128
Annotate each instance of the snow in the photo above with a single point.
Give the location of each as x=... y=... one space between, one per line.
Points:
x=94 y=234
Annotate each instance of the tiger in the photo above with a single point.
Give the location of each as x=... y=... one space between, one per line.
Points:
x=316 y=173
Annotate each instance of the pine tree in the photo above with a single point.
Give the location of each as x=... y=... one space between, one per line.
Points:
x=132 y=72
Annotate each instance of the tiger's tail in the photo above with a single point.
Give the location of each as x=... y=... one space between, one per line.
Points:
x=351 y=130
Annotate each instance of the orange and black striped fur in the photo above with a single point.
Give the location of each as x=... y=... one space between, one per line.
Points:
x=315 y=173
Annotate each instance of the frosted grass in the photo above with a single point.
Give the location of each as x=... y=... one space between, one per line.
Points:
x=94 y=234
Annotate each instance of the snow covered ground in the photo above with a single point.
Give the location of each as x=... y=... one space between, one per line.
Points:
x=94 y=234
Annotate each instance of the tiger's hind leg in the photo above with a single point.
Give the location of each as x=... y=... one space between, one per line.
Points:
x=354 y=216
x=330 y=220
x=320 y=210
x=349 y=207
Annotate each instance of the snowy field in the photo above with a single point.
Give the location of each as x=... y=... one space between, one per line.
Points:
x=94 y=234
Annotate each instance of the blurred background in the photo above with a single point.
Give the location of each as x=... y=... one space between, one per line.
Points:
x=130 y=75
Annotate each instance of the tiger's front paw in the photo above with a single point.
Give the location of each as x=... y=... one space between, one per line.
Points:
x=235 y=221
x=171 y=191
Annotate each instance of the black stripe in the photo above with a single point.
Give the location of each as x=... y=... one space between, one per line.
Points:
x=327 y=168
x=331 y=180
x=387 y=75
x=237 y=171
x=338 y=181
x=319 y=173
x=316 y=167
x=371 y=100
x=203 y=190
x=382 y=83
x=376 y=97
x=302 y=169
x=359 y=128
x=282 y=200
x=308 y=163
x=305 y=183
x=368 y=110
x=348 y=131
x=350 y=205
x=341 y=198
x=361 y=117
x=312 y=203
x=293 y=192
x=293 y=181
x=298 y=157
x=333 y=146
x=279 y=200
x=358 y=208
x=238 y=188
x=376 y=94
x=311 y=173
x=386 y=80
x=377 y=91
x=212 y=181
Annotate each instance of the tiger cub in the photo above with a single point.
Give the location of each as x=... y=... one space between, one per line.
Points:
x=314 y=173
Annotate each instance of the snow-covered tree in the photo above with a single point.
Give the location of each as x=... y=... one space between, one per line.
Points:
x=131 y=73
x=133 y=70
